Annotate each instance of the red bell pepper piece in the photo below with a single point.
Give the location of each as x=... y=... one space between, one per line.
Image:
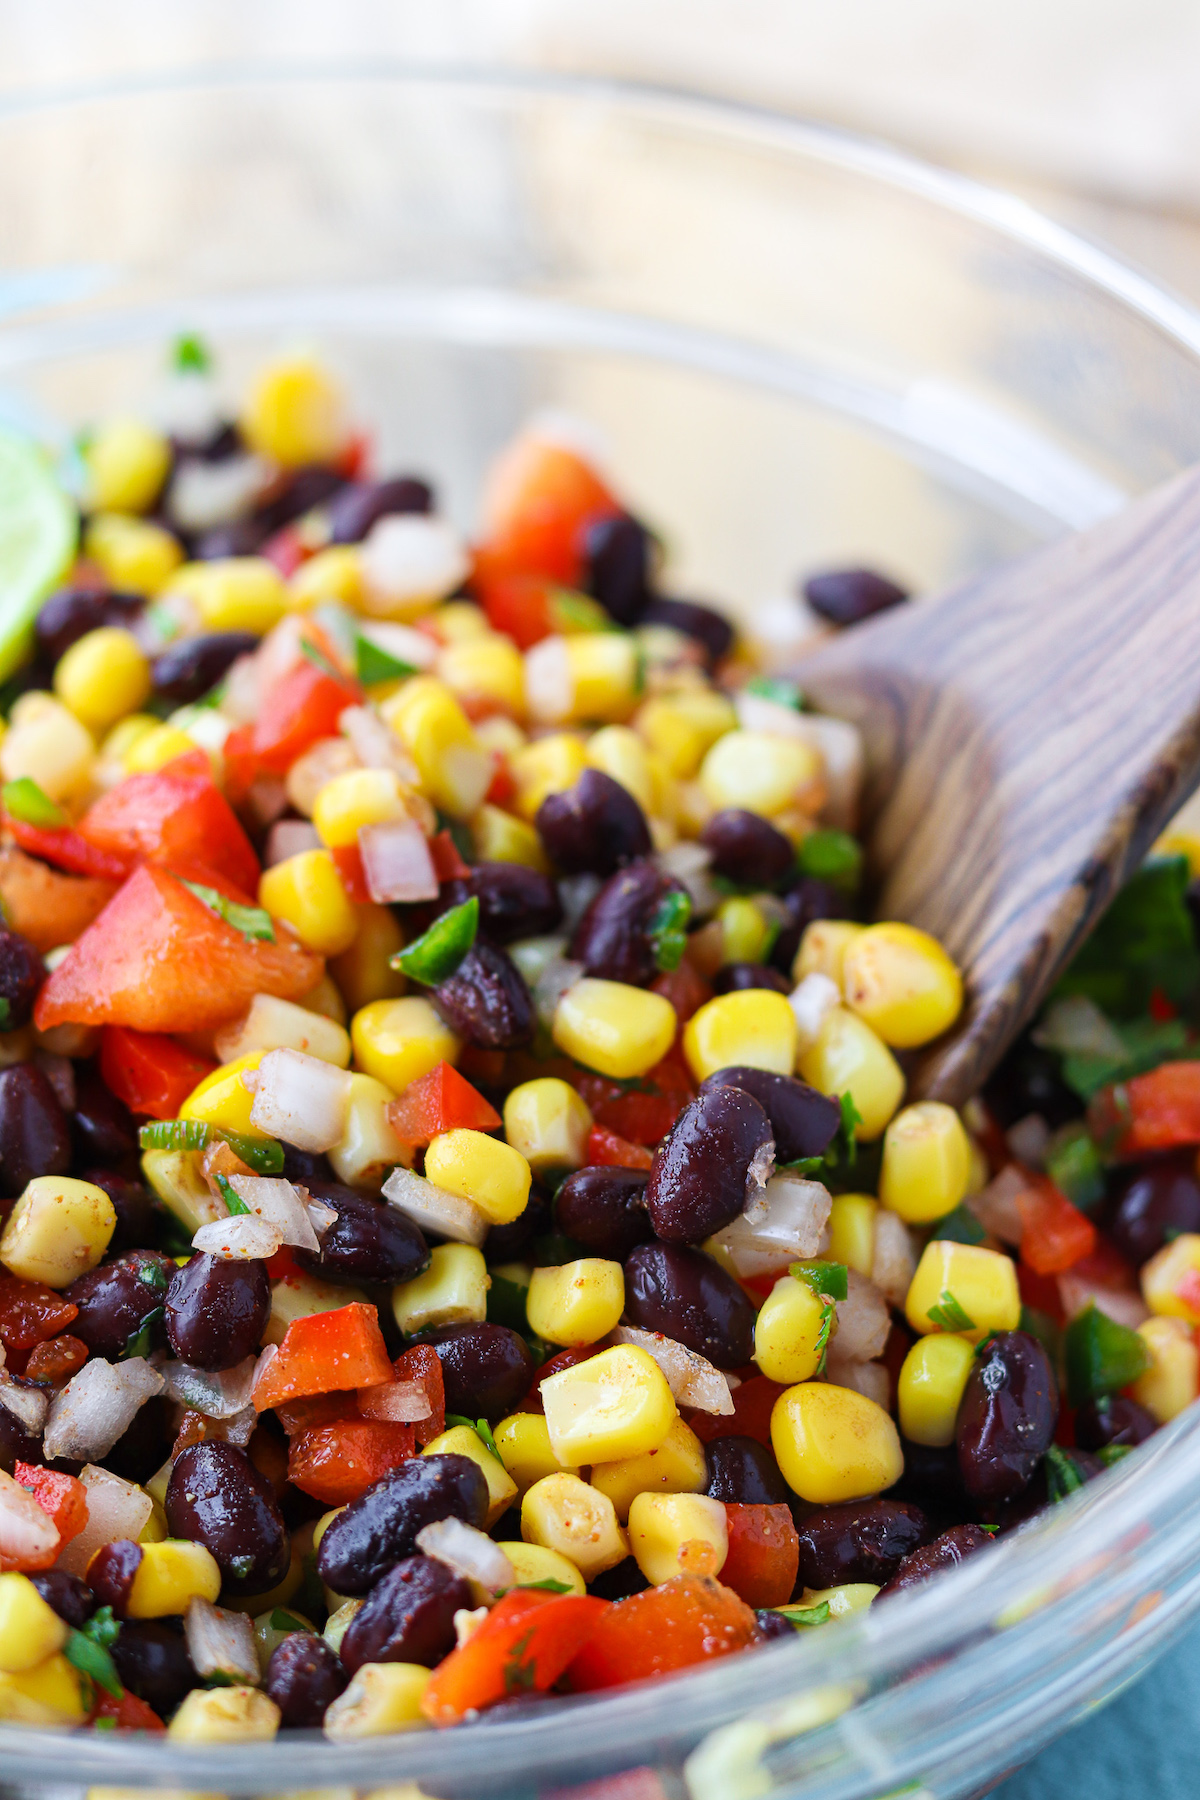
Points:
x=1158 y=1111
x=335 y=1463
x=685 y=988
x=150 y=1072
x=522 y=1647
x=540 y=499
x=502 y=790
x=159 y=959
x=46 y=906
x=437 y=1102
x=324 y=1353
x=175 y=816
x=1054 y=1234
x=55 y=1360
x=609 y=1148
x=347 y=860
x=1040 y=1292
x=764 y=1554
x=62 y=1498
x=751 y=1416
x=31 y=1312
x=68 y=850
x=686 y=1620
x=128 y=1713
x=302 y=707
x=448 y=865
x=645 y=1117
x=516 y=604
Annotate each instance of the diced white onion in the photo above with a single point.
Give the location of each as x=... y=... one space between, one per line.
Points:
x=410 y=557
x=534 y=955
x=274 y=1024
x=894 y=1262
x=691 y=864
x=98 y=1406
x=869 y=1378
x=1076 y=1292
x=243 y=1238
x=301 y=1099
x=279 y=1203
x=553 y=982
x=434 y=1209
x=787 y=1223
x=403 y=642
x=204 y=494
x=812 y=1002
x=1029 y=1139
x=289 y=837
x=376 y=744
x=320 y=1216
x=115 y=1508
x=266 y=1357
x=240 y=1429
x=241 y=694
x=996 y=1206
x=469 y=1552
x=397 y=862
x=220 y=1642
x=28 y=1404
x=758 y=1175
x=28 y=1536
x=576 y=893
x=402 y=1402
x=691 y=1378
x=217 y=1393
x=1076 y=1026
x=863 y=1320
x=186 y=404
x=323 y=762
x=549 y=685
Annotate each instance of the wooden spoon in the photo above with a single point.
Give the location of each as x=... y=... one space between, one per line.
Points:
x=1028 y=736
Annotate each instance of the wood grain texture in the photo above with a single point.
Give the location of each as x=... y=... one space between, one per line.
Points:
x=1028 y=735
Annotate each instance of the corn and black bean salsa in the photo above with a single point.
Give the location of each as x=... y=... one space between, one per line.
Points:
x=464 y=1239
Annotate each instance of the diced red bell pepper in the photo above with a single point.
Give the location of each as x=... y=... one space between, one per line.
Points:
x=502 y=790
x=522 y=1647
x=46 y=906
x=31 y=1312
x=1157 y=1111
x=422 y=1363
x=283 y=1266
x=1054 y=1234
x=448 y=865
x=516 y=604
x=286 y=549
x=149 y=1071
x=62 y=1498
x=299 y=1416
x=684 y=1621
x=347 y=860
x=68 y=850
x=336 y=1463
x=613 y=1151
x=324 y=1353
x=128 y=1713
x=1107 y=1268
x=175 y=816
x=1039 y=1292
x=764 y=1553
x=302 y=707
x=159 y=959
x=753 y=1402
x=539 y=500
x=56 y=1360
x=645 y=1117
x=437 y=1102
x=685 y=988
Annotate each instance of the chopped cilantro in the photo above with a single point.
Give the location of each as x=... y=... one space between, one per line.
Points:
x=141 y=1341
x=949 y=1315
x=1063 y=1475
x=959 y=1227
x=480 y=1427
x=832 y=856
x=231 y=1197
x=319 y=660
x=5 y=1014
x=374 y=664
x=253 y=922
x=830 y=1282
x=286 y=1621
x=263 y=1155
x=88 y=1651
x=800 y=1617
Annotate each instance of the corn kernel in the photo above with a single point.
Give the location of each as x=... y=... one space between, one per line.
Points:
x=127 y=462
x=1173 y=1379
x=523 y=1440
x=614 y=1405
x=491 y=1174
x=823 y=948
x=58 y=1229
x=926 y=1162
x=363 y=971
x=456 y=772
x=485 y=669
x=548 y=1122
x=563 y=1513
x=620 y=752
x=501 y=837
x=755 y=1026
x=53 y=749
x=294 y=412
x=459 y=622
x=134 y=554
x=452 y=1291
x=577 y=1302
x=120 y=740
x=462 y=1441
x=30 y=1630
x=299 y=1297
x=174 y=1177
x=382 y=1698
x=169 y=1575
x=932 y=1379
x=682 y=727
x=790 y=1332
x=51 y=1693
x=848 y=1058
x=834 y=1444
x=661 y=1524
x=676 y=1467
x=499 y=735
x=398 y=1041
x=103 y=675
x=617 y=1030
x=348 y=802
x=368 y=1148
x=334 y=573
x=274 y=1024
x=549 y=765
x=153 y=750
x=1171 y=1279
x=746 y=932
x=983 y=1283
x=222 y=1098
x=850 y=1597
x=224 y=1715
x=762 y=773
x=902 y=983
x=339 y=1622
x=234 y=593
x=852 y=1231
x=536 y=1563
x=593 y=676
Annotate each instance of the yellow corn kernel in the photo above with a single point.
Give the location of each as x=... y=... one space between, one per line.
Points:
x=175 y=1177
x=223 y=1099
x=682 y=727
x=932 y=1379
x=234 y=593
x=53 y=748
x=486 y=668
x=577 y=1302
x=676 y=1467
x=459 y=622
x=661 y=1524
x=225 y=1715
x=368 y=1148
x=127 y=462
x=482 y=1169
x=833 y=1444
x=155 y=1530
x=852 y=1231
x=1173 y=1379
x=499 y=735
x=452 y=1291
x=103 y=675
x=136 y=555
x=523 y=1440
x=120 y=740
x=982 y=1282
x=823 y=948
x=762 y=773
x=790 y=1332
x=456 y=772
x=536 y=1563
x=339 y=1621
x=745 y=929
x=325 y=1002
x=273 y=1024
x=617 y=1030
x=548 y=1122
x=755 y=1026
x=382 y=1698
x=294 y=412
x=926 y=1162
x=348 y=802
x=563 y=1513
x=299 y=1297
x=169 y=1575
x=851 y=1597
x=58 y=1229
x=549 y=765
x=902 y=983
x=848 y=1058
x=51 y=1693
x=501 y=837
x=153 y=750
x=593 y=676
x=363 y=971
x=398 y=1041
x=305 y=891
x=614 y=1405
x=620 y=752
x=1166 y=1287
x=334 y=573
x=461 y=1440
x=30 y=1630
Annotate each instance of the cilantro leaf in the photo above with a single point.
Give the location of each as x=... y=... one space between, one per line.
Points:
x=141 y=1341
x=1063 y=1475
x=800 y=1617
x=830 y=1282
x=959 y=1227
x=91 y=1658
x=286 y=1621
x=548 y=1586
x=668 y=929
x=437 y=953
x=5 y=1014
x=480 y=1427
x=949 y=1315
x=24 y=800
x=374 y=664
x=1144 y=941
x=253 y=922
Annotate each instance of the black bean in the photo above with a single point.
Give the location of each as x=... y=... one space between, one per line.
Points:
x=71 y=613
x=409 y=1617
x=218 y=444
x=612 y=939
x=687 y=1296
x=1153 y=1201
x=133 y=1204
x=153 y=1663
x=619 y=1582
x=487 y=1369
x=188 y=669
x=803 y=1121
x=308 y=1168
x=303 y=488
x=707 y=627
x=146 y=1443
x=111 y=1572
x=747 y=848
x=485 y=1000
x=102 y=1127
x=735 y=977
x=861 y=1540
x=218 y=1498
x=514 y=902
x=22 y=973
x=354 y=510
x=807 y=899
x=380 y=1528
x=240 y=537
x=618 y=555
x=945 y=1552
x=845 y=596
x=603 y=1208
x=1113 y=1419
x=303 y=1676
x=932 y=1481
x=35 y=1138
x=719 y=1150
x=118 y=1300
x=16 y=1444
x=773 y=1624
x=71 y=1598
x=1007 y=1416
x=594 y=827
x=507 y=1243
x=217 y=1311
x=368 y=1241
x=1029 y=1080
x=743 y=1472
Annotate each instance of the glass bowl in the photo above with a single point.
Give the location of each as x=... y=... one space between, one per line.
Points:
x=799 y=348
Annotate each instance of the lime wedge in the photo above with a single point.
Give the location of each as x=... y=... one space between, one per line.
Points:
x=38 y=531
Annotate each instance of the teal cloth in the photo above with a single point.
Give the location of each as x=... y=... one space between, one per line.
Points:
x=1143 y=1745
